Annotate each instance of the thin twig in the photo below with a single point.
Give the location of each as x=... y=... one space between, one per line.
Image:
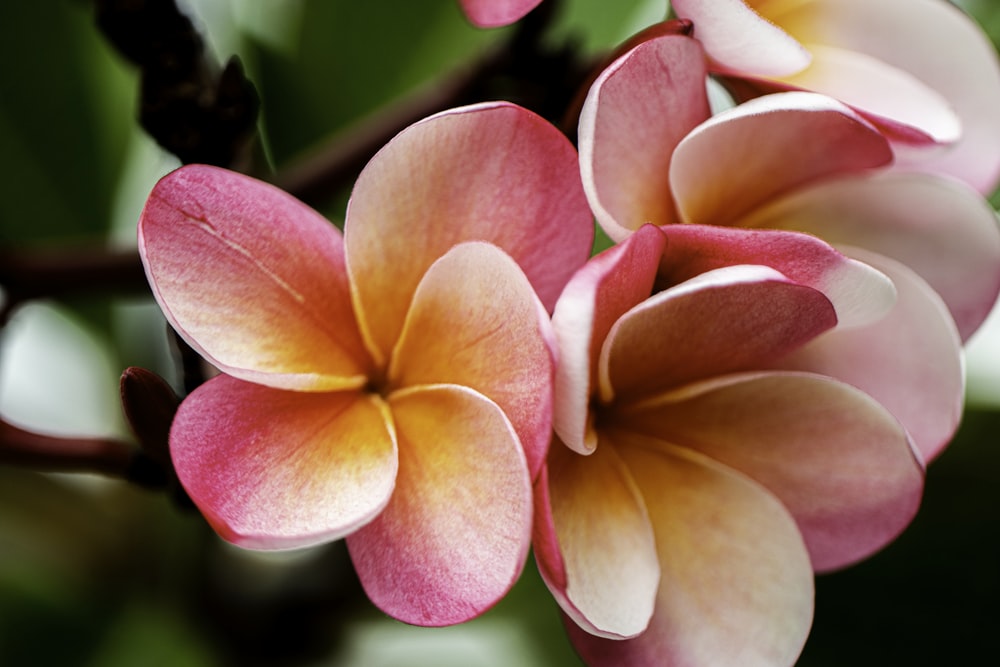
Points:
x=523 y=69
x=57 y=273
x=47 y=453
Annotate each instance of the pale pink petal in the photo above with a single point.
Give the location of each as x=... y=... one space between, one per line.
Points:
x=253 y=279
x=490 y=172
x=495 y=13
x=276 y=469
x=837 y=459
x=476 y=322
x=603 y=290
x=765 y=148
x=456 y=533
x=936 y=43
x=594 y=543
x=872 y=86
x=859 y=293
x=910 y=361
x=738 y=39
x=940 y=228
x=731 y=319
x=736 y=586
x=636 y=112
x=902 y=137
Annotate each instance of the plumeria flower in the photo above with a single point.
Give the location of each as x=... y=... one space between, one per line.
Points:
x=496 y=13
x=922 y=71
x=651 y=153
x=391 y=384
x=696 y=484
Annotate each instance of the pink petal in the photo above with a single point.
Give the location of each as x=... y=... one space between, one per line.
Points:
x=723 y=170
x=495 y=13
x=490 y=172
x=859 y=293
x=872 y=86
x=737 y=39
x=910 y=361
x=636 y=112
x=253 y=279
x=837 y=459
x=455 y=535
x=941 y=229
x=594 y=543
x=727 y=320
x=476 y=322
x=599 y=293
x=736 y=586
x=275 y=469
x=936 y=43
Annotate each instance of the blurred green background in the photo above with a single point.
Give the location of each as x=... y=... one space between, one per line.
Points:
x=103 y=574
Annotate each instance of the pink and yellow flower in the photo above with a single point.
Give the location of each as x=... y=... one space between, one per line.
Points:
x=391 y=384
x=697 y=483
x=496 y=13
x=922 y=71
x=652 y=153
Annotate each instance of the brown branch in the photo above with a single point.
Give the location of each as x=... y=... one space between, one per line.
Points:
x=57 y=273
x=149 y=405
x=53 y=454
x=523 y=69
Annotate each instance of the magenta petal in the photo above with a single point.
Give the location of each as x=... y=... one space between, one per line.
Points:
x=727 y=320
x=253 y=279
x=276 y=469
x=722 y=170
x=635 y=114
x=859 y=293
x=456 y=533
x=941 y=228
x=496 y=13
x=490 y=172
x=607 y=287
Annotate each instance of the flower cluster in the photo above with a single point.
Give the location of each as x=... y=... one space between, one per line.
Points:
x=742 y=391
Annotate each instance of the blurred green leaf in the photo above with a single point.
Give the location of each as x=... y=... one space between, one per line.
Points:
x=66 y=103
x=353 y=57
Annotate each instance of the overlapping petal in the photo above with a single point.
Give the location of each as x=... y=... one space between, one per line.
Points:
x=859 y=293
x=738 y=39
x=603 y=567
x=879 y=90
x=910 y=361
x=490 y=172
x=475 y=321
x=722 y=170
x=919 y=44
x=455 y=534
x=736 y=584
x=836 y=458
x=253 y=279
x=731 y=319
x=276 y=469
x=495 y=13
x=637 y=111
x=607 y=287
x=940 y=228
